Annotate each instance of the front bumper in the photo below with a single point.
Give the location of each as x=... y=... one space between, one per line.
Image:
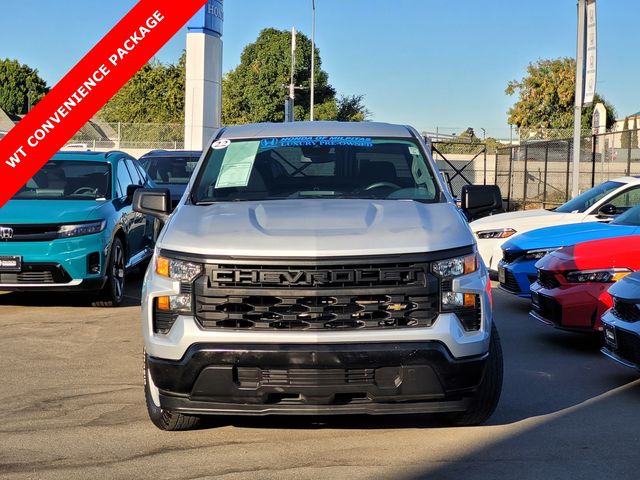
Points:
x=365 y=378
x=518 y=277
x=577 y=307
x=60 y=264
x=622 y=340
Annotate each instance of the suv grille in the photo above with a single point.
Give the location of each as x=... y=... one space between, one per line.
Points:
x=626 y=311
x=388 y=292
x=31 y=233
x=547 y=279
x=34 y=273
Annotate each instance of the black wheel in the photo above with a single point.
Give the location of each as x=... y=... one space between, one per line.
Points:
x=162 y=418
x=113 y=292
x=486 y=398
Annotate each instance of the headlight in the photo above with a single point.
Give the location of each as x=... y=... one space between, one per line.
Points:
x=598 y=276
x=76 y=230
x=497 y=233
x=177 y=269
x=454 y=267
x=538 y=253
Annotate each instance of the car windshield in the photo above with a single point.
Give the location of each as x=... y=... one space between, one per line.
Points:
x=315 y=167
x=587 y=199
x=170 y=169
x=68 y=180
x=630 y=217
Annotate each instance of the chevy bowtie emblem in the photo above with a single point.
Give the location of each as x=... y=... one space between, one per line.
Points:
x=6 y=233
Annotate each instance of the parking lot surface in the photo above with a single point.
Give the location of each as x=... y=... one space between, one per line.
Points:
x=73 y=407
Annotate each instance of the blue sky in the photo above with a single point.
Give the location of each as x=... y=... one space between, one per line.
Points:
x=430 y=63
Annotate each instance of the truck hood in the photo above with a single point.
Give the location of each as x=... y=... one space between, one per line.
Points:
x=562 y=235
x=315 y=228
x=538 y=217
x=619 y=252
x=49 y=211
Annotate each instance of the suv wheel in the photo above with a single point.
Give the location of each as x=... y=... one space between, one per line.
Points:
x=162 y=418
x=113 y=292
x=486 y=398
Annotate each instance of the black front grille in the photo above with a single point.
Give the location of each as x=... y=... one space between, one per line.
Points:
x=512 y=256
x=627 y=346
x=547 y=279
x=510 y=282
x=304 y=276
x=304 y=377
x=28 y=233
x=549 y=309
x=380 y=292
x=36 y=273
x=626 y=311
x=316 y=312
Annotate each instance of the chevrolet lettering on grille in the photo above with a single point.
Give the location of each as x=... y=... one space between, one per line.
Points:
x=315 y=277
x=6 y=233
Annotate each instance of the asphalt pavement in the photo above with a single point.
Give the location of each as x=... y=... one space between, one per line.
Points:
x=73 y=407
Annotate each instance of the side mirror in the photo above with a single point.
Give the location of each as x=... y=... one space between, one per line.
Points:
x=480 y=200
x=153 y=201
x=607 y=210
x=130 y=191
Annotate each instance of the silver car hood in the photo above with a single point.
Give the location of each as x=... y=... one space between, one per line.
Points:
x=315 y=228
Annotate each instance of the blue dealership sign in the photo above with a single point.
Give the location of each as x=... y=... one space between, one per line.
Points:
x=209 y=19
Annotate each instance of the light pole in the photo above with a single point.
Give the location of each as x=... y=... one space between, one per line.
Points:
x=313 y=55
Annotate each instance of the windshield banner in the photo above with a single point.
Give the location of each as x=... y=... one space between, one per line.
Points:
x=87 y=87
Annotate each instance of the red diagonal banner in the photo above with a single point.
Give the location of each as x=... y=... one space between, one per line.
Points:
x=87 y=87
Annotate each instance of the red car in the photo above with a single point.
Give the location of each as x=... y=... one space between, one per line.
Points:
x=571 y=290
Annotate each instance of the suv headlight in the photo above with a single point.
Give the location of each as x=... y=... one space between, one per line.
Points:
x=497 y=233
x=597 y=276
x=454 y=267
x=538 y=253
x=78 y=229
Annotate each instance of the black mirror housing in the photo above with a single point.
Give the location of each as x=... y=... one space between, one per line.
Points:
x=480 y=200
x=153 y=201
x=607 y=210
x=130 y=191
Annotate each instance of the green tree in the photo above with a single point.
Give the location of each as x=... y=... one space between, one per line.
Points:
x=546 y=97
x=634 y=134
x=625 y=140
x=255 y=90
x=155 y=94
x=19 y=84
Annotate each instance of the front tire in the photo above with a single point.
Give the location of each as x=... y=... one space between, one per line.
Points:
x=486 y=398
x=164 y=419
x=113 y=292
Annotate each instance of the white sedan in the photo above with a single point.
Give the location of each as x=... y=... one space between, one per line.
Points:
x=615 y=196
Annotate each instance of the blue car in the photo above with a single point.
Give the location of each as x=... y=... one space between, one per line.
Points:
x=517 y=271
x=72 y=227
x=171 y=169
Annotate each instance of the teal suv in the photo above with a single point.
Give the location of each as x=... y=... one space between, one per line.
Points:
x=72 y=228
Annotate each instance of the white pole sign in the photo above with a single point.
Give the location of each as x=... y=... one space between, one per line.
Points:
x=591 y=56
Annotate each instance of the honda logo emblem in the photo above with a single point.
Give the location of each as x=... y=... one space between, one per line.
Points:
x=6 y=233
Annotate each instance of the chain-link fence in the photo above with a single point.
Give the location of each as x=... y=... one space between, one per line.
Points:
x=102 y=135
x=538 y=174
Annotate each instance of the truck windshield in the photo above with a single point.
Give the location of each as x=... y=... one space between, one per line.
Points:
x=68 y=180
x=170 y=170
x=314 y=167
x=585 y=200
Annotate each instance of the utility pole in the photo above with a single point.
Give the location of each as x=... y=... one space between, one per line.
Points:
x=313 y=56
x=288 y=110
x=577 y=109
